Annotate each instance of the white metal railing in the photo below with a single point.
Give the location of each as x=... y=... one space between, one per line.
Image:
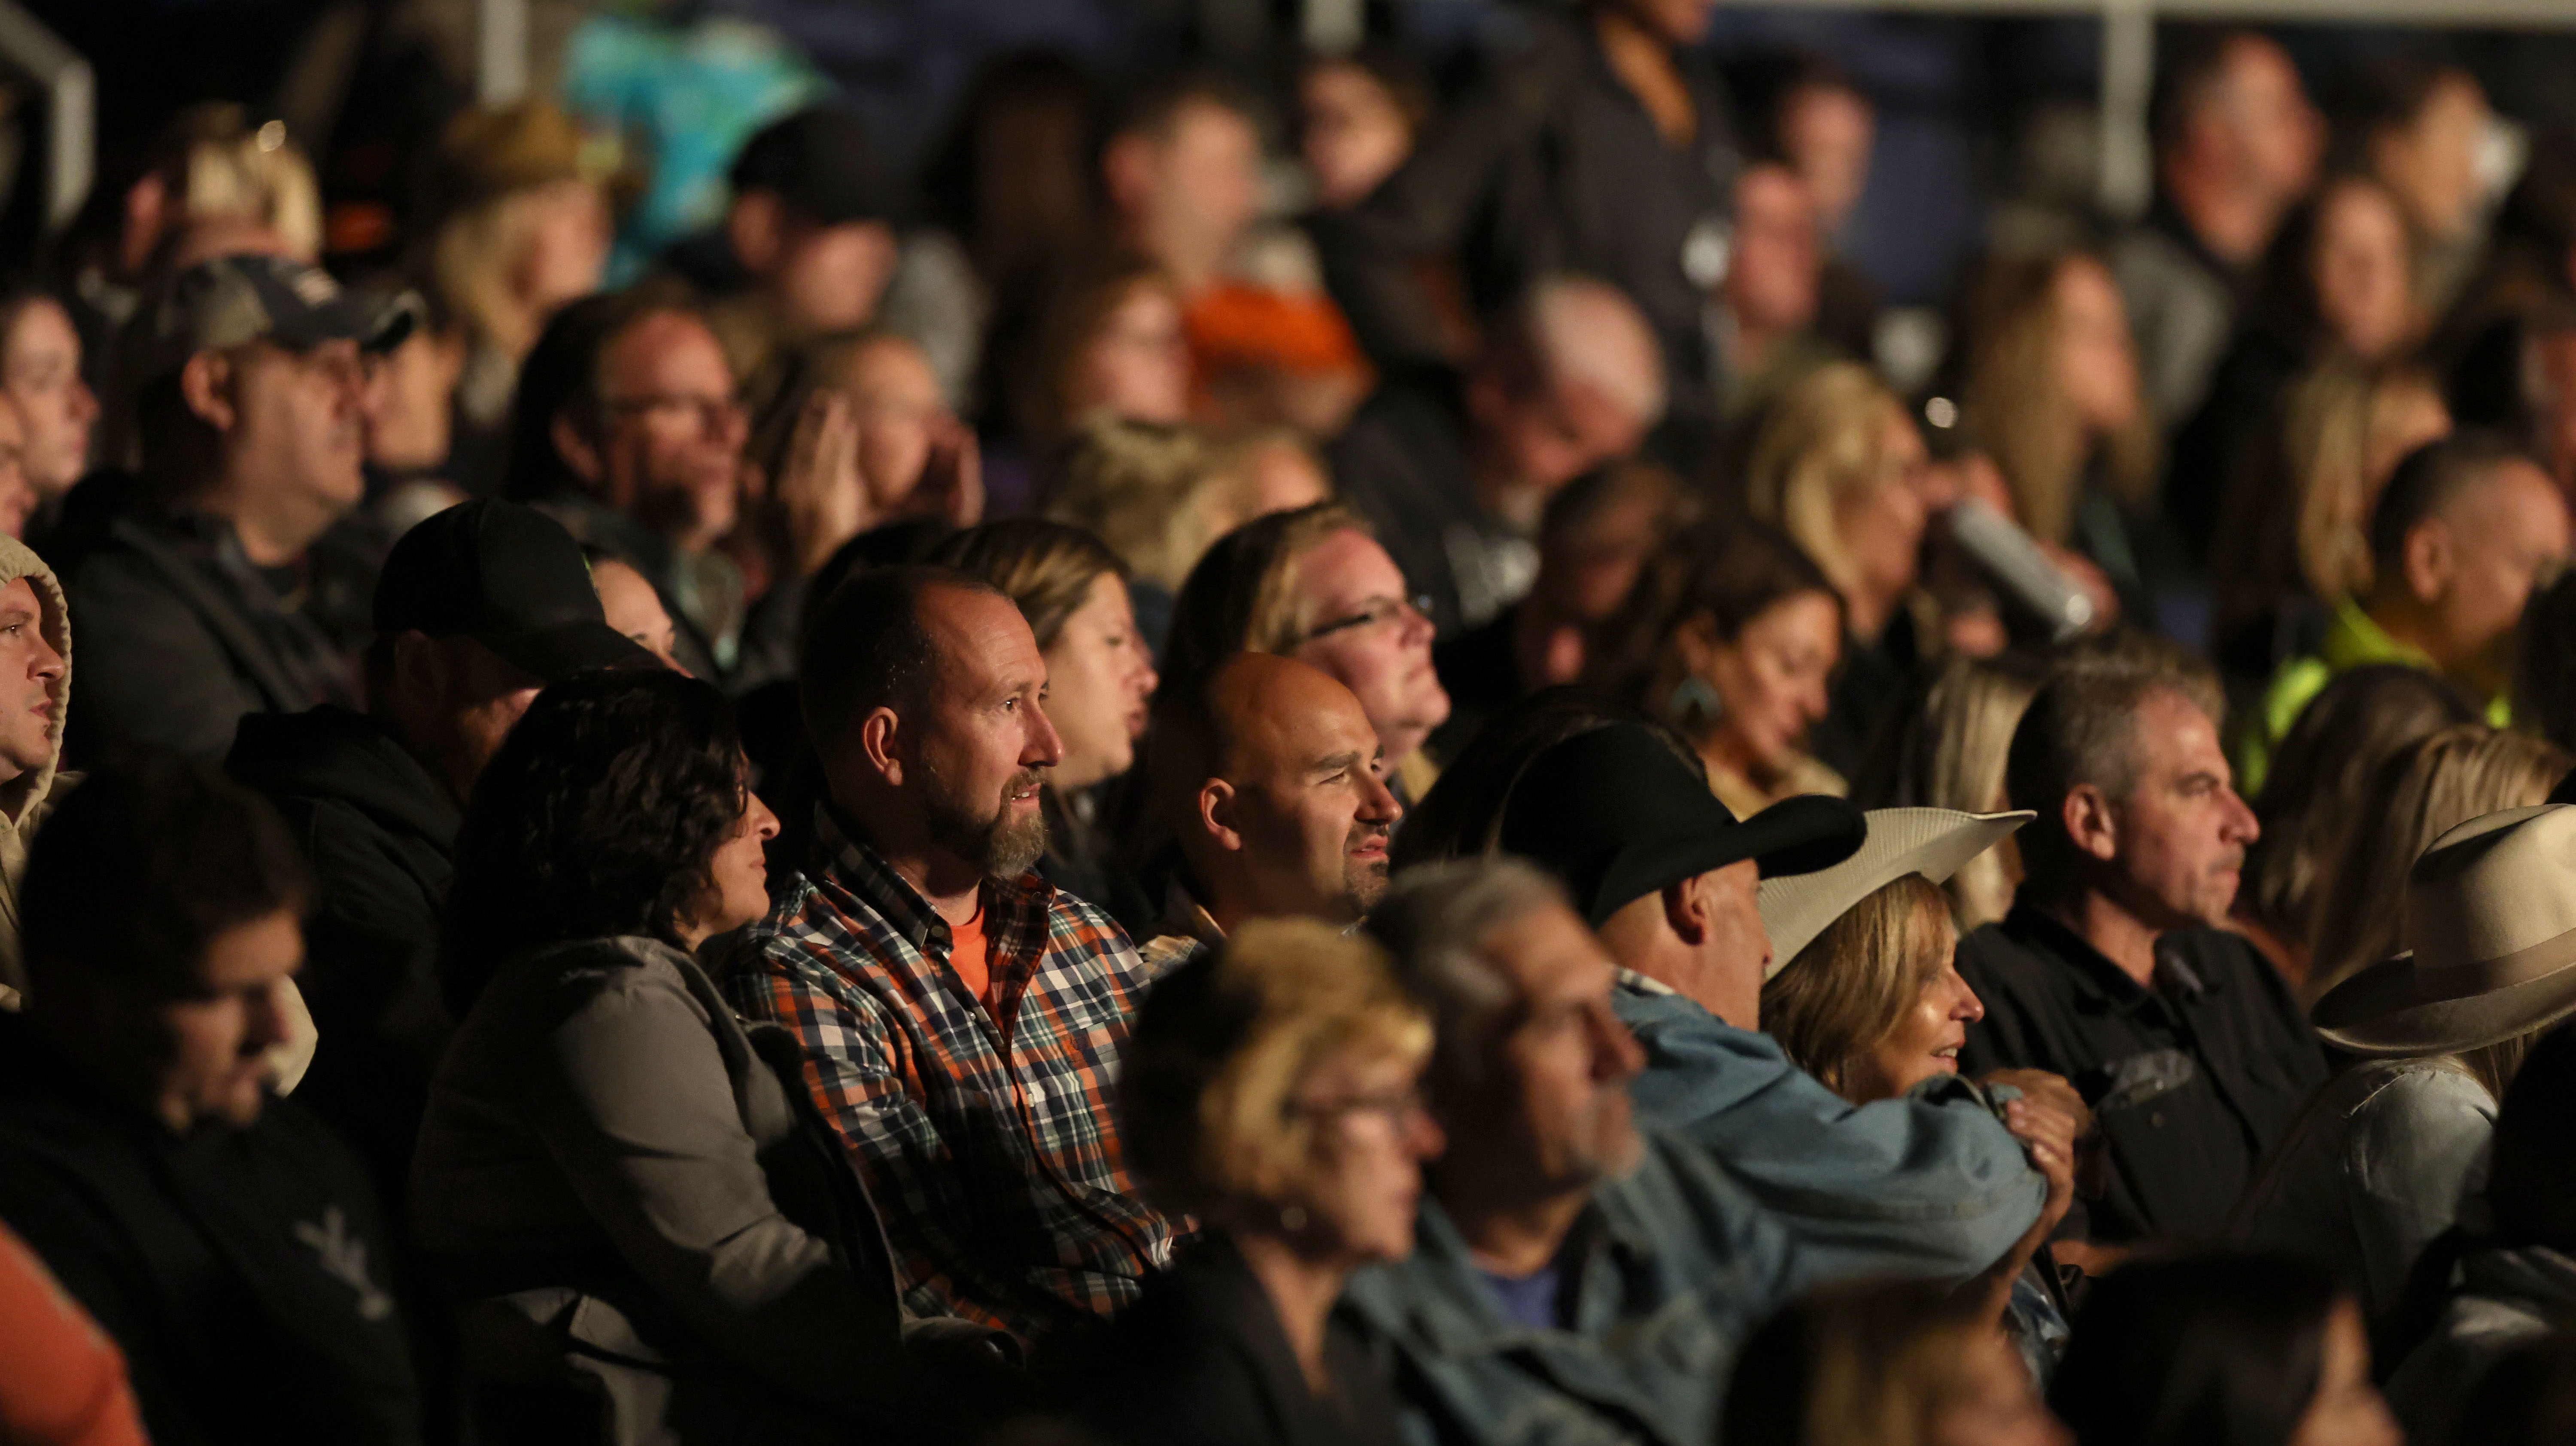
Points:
x=71 y=108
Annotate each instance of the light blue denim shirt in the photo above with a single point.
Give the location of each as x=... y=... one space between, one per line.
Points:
x=1674 y=1264
x=2381 y=1161
x=1930 y=1184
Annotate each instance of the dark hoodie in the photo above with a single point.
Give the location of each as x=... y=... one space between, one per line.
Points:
x=380 y=829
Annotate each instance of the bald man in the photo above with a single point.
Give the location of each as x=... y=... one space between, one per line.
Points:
x=1452 y=470
x=1272 y=784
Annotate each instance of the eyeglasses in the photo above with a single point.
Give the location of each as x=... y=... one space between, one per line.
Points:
x=714 y=414
x=1375 y=612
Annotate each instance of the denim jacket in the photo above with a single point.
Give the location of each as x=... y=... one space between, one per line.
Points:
x=1927 y=1185
x=1673 y=1265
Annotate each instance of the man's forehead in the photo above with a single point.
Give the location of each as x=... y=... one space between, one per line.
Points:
x=2178 y=735
x=979 y=638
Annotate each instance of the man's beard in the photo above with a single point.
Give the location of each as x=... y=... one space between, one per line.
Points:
x=997 y=844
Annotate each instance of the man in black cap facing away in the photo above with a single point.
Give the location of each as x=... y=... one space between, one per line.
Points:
x=202 y=603
x=477 y=608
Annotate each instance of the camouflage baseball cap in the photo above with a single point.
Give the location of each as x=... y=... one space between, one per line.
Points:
x=233 y=300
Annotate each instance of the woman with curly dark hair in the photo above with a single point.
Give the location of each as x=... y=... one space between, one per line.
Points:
x=633 y=1210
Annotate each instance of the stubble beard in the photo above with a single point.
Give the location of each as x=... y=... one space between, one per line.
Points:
x=994 y=842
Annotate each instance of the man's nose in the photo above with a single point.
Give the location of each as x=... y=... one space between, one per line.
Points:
x=1044 y=747
x=2243 y=826
x=1377 y=801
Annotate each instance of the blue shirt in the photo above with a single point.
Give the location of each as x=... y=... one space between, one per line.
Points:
x=1927 y=1185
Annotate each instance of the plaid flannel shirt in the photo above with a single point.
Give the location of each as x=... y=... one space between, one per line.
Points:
x=985 y=1135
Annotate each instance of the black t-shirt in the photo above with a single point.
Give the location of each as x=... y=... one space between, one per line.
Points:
x=2191 y=1082
x=245 y=1273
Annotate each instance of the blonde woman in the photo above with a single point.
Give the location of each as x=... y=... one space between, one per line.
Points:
x=1871 y=1004
x=1839 y=466
x=1272 y=1091
x=2457 y=774
x=227 y=167
x=1883 y=1363
x=1949 y=753
x=2296 y=542
x=520 y=228
x=2053 y=395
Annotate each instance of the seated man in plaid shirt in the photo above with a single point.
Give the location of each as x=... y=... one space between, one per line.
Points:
x=961 y=1020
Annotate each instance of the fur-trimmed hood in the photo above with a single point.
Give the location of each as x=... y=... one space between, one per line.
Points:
x=25 y=800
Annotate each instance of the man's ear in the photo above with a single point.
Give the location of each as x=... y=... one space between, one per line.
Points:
x=756 y=225
x=2429 y=560
x=880 y=735
x=206 y=385
x=1219 y=815
x=420 y=666
x=2091 y=822
x=577 y=450
x=1686 y=911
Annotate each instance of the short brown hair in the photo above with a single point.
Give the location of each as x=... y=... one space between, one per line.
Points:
x=2081 y=730
x=868 y=649
x=1045 y=568
x=1851 y=986
x=1206 y=1102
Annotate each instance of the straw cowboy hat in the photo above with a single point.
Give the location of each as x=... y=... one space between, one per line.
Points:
x=1933 y=842
x=2490 y=915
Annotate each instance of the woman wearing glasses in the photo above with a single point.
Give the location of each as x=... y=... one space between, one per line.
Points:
x=1270 y=1091
x=1314 y=585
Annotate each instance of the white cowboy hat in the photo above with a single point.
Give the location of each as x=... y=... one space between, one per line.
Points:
x=1932 y=842
x=2490 y=921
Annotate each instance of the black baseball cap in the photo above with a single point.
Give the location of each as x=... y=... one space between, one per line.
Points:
x=1616 y=816
x=510 y=578
x=234 y=300
x=820 y=163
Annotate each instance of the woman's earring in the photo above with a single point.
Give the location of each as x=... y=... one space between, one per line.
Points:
x=1292 y=1217
x=1694 y=698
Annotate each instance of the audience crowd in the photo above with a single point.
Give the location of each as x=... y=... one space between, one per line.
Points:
x=1084 y=799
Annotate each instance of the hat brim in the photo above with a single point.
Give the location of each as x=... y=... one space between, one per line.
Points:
x=1933 y=842
x=376 y=322
x=1794 y=836
x=2377 y=1012
x=567 y=649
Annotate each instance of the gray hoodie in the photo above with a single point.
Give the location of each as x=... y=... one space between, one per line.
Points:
x=25 y=799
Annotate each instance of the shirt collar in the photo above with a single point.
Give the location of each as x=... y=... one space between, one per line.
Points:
x=847 y=860
x=2038 y=929
x=1185 y=917
x=2354 y=639
x=1630 y=979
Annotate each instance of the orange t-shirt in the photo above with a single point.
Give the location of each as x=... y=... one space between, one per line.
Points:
x=971 y=956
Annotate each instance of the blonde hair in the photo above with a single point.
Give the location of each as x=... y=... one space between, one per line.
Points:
x=2463 y=772
x=1823 y=441
x=1847 y=991
x=1950 y=753
x=1158 y=495
x=2015 y=409
x=1221 y=1046
x=227 y=168
x=2307 y=528
x=1242 y=596
x=1045 y=568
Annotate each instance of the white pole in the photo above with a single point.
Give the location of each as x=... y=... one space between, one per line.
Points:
x=2128 y=78
x=501 y=51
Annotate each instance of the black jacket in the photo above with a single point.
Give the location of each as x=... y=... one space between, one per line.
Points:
x=242 y=1271
x=180 y=635
x=1201 y=1360
x=380 y=831
x=2192 y=1082
x=1552 y=166
x=1403 y=464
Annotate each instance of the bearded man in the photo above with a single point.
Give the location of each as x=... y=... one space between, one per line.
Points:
x=930 y=977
